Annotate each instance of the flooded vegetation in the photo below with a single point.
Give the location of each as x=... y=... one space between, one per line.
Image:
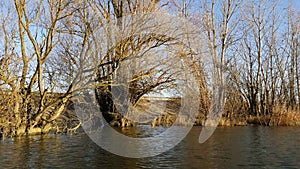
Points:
x=143 y=67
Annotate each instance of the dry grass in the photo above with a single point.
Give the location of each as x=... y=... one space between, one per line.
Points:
x=281 y=116
x=285 y=117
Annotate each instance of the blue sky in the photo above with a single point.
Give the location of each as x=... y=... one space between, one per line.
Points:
x=296 y=3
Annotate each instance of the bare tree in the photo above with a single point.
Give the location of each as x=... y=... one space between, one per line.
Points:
x=221 y=21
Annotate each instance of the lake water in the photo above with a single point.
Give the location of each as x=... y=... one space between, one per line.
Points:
x=229 y=147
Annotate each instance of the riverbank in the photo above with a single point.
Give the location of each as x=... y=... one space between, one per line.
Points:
x=286 y=119
x=152 y=111
x=280 y=117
